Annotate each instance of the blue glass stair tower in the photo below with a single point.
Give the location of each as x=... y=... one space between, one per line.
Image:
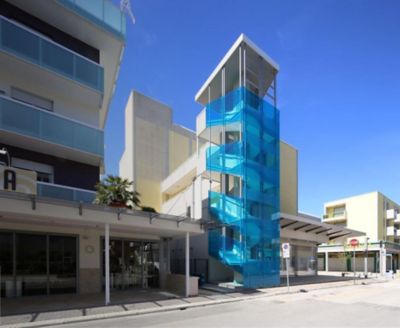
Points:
x=242 y=122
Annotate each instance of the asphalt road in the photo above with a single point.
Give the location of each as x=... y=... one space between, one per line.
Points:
x=376 y=305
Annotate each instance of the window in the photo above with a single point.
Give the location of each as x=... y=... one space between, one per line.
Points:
x=45 y=173
x=31 y=99
x=339 y=211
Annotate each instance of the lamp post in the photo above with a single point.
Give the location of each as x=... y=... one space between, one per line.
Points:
x=4 y=151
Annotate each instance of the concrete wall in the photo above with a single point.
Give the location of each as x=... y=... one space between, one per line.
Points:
x=362 y=214
x=154 y=146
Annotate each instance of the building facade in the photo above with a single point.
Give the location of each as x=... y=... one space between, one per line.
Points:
x=233 y=172
x=377 y=216
x=59 y=63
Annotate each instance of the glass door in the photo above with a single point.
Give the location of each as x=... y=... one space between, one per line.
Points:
x=31 y=275
x=151 y=265
x=62 y=264
x=133 y=263
x=6 y=264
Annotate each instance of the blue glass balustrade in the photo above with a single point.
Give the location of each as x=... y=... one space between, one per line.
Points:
x=27 y=120
x=65 y=193
x=24 y=43
x=101 y=12
x=254 y=249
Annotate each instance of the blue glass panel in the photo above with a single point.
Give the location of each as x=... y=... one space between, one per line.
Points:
x=65 y=193
x=27 y=120
x=255 y=158
x=23 y=43
x=101 y=12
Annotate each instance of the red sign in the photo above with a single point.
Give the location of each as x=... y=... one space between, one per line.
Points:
x=354 y=242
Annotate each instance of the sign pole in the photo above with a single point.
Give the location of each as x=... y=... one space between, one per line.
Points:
x=354 y=243
x=354 y=264
x=287 y=274
x=286 y=256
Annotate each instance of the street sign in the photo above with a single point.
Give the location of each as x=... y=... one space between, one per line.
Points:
x=286 y=250
x=354 y=242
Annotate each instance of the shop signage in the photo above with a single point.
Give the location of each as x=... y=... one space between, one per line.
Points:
x=17 y=180
x=354 y=242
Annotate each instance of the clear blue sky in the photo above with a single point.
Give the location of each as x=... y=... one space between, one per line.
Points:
x=338 y=85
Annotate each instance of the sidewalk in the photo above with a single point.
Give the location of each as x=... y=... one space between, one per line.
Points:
x=165 y=302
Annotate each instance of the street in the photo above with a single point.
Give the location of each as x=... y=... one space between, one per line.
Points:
x=375 y=305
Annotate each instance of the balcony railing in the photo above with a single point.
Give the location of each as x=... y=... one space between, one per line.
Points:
x=65 y=193
x=101 y=12
x=37 y=49
x=335 y=216
x=18 y=117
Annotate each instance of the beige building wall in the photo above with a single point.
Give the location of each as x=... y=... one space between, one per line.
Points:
x=182 y=145
x=154 y=146
x=367 y=213
x=289 y=179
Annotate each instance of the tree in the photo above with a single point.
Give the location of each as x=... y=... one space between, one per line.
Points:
x=117 y=192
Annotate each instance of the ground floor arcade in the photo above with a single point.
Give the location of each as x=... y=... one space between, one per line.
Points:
x=378 y=257
x=50 y=247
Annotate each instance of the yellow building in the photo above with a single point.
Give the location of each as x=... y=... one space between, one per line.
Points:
x=376 y=215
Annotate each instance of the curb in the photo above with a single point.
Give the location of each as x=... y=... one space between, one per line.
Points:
x=53 y=322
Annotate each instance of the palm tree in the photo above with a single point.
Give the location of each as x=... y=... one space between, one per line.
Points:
x=117 y=192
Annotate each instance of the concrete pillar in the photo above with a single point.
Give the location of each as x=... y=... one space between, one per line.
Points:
x=187 y=264
x=163 y=264
x=168 y=268
x=382 y=261
x=326 y=261
x=107 y=263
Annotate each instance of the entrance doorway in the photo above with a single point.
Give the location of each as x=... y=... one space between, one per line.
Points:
x=37 y=264
x=132 y=264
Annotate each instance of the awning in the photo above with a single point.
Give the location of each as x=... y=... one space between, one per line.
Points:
x=23 y=208
x=312 y=229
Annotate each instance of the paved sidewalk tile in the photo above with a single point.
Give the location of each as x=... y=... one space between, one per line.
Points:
x=220 y=297
x=171 y=302
x=197 y=299
x=14 y=319
x=59 y=314
x=141 y=306
x=104 y=309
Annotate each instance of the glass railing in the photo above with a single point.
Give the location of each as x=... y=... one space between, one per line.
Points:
x=100 y=12
x=21 y=118
x=37 y=49
x=65 y=193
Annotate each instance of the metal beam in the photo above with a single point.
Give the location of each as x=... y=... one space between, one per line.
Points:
x=303 y=226
x=317 y=233
x=345 y=234
x=289 y=224
x=312 y=229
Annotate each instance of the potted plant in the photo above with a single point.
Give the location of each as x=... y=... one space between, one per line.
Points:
x=115 y=191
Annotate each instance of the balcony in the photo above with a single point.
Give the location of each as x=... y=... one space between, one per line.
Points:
x=397 y=219
x=65 y=193
x=335 y=218
x=29 y=46
x=64 y=135
x=103 y=13
x=390 y=214
x=391 y=231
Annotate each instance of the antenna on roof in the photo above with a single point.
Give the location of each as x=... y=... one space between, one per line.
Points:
x=125 y=6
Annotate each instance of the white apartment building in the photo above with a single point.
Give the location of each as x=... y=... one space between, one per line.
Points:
x=59 y=62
